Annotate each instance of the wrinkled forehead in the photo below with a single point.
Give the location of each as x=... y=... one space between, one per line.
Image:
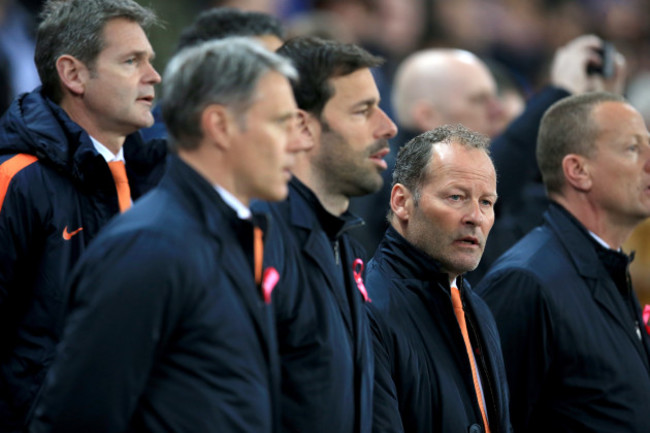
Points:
x=458 y=161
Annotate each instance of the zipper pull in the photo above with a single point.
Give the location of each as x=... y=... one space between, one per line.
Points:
x=336 y=252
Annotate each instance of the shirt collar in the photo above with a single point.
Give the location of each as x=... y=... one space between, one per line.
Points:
x=106 y=153
x=601 y=241
x=242 y=211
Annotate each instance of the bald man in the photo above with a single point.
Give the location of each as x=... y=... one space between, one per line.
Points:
x=435 y=87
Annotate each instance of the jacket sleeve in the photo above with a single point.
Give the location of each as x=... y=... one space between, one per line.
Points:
x=386 y=413
x=522 y=315
x=19 y=223
x=123 y=310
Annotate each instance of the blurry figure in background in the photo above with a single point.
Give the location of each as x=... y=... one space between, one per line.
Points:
x=522 y=199
x=218 y=23
x=70 y=160
x=17 y=27
x=437 y=87
x=432 y=87
x=5 y=83
x=576 y=349
x=171 y=324
x=511 y=95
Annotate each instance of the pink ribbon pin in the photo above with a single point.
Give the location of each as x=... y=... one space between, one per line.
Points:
x=269 y=280
x=646 y=318
x=357 y=271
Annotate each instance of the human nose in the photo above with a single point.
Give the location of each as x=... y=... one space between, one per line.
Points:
x=474 y=214
x=387 y=128
x=295 y=143
x=151 y=75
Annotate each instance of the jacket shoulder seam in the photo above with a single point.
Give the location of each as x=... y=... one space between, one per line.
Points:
x=10 y=168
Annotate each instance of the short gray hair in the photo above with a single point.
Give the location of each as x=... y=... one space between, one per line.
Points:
x=568 y=127
x=222 y=72
x=76 y=28
x=414 y=158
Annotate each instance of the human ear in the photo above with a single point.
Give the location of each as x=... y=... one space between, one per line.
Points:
x=306 y=124
x=425 y=115
x=401 y=202
x=217 y=124
x=577 y=172
x=73 y=74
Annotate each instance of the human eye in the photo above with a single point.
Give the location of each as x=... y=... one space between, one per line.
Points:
x=487 y=203
x=633 y=148
x=364 y=111
x=455 y=197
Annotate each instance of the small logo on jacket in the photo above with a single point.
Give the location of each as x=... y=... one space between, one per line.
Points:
x=68 y=235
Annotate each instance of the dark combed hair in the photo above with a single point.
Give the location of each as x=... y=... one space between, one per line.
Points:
x=318 y=61
x=223 y=22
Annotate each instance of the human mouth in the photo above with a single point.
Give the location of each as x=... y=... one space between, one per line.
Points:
x=468 y=242
x=378 y=158
x=148 y=99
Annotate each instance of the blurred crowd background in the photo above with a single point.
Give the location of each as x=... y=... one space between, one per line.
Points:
x=517 y=38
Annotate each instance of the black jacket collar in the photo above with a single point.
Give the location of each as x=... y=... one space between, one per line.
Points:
x=412 y=261
x=334 y=226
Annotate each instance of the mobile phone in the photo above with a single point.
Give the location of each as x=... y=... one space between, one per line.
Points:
x=607 y=53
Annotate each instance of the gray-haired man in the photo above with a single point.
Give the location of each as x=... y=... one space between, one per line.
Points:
x=170 y=326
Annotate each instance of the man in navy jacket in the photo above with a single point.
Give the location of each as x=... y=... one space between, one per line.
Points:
x=171 y=327
x=577 y=354
x=434 y=369
x=56 y=188
x=324 y=339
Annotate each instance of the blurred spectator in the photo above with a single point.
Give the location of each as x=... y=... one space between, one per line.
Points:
x=443 y=86
x=510 y=93
x=17 y=27
x=522 y=198
x=219 y=23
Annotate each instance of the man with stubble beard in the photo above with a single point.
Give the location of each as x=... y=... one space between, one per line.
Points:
x=322 y=328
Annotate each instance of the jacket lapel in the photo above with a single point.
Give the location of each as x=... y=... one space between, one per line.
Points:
x=594 y=274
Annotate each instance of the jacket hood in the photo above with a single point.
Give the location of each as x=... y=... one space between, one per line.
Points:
x=35 y=125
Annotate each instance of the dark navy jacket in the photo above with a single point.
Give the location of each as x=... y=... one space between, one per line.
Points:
x=323 y=336
x=423 y=377
x=574 y=359
x=67 y=190
x=168 y=331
